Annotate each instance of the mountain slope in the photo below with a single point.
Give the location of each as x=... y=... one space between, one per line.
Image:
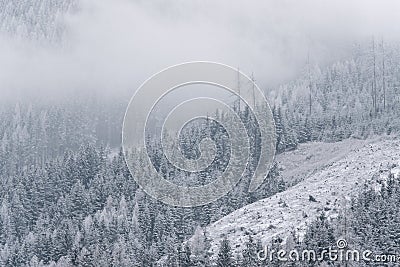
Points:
x=330 y=186
x=311 y=157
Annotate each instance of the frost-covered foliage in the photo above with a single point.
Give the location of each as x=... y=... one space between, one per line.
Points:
x=67 y=196
x=371 y=222
x=346 y=99
x=36 y=20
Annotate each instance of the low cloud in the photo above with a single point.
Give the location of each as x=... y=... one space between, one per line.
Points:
x=113 y=46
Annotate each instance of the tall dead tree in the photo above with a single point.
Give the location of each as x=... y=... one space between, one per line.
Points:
x=238 y=87
x=374 y=91
x=253 y=80
x=309 y=83
x=383 y=76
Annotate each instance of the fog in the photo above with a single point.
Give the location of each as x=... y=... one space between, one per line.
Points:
x=112 y=46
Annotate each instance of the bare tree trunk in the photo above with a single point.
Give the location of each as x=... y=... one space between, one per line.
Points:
x=238 y=87
x=374 y=92
x=309 y=83
x=253 y=85
x=383 y=76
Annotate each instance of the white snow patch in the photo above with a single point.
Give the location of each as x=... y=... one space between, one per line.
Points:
x=331 y=180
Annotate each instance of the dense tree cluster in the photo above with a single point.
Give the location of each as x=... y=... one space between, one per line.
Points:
x=67 y=198
x=357 y=98
x=370 y=221
x=37 y=20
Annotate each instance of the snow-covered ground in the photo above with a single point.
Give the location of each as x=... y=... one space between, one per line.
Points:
x=330 y=173
x=310 y=157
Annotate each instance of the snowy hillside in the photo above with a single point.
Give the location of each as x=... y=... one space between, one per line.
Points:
x=330 y=183
x=310 y=157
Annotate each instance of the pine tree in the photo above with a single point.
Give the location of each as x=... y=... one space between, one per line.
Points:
x=225 y=257
x=250 y=254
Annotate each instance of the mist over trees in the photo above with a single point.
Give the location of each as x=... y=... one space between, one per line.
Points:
x=68 y=198
x=66 y=195
x=348 y=99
